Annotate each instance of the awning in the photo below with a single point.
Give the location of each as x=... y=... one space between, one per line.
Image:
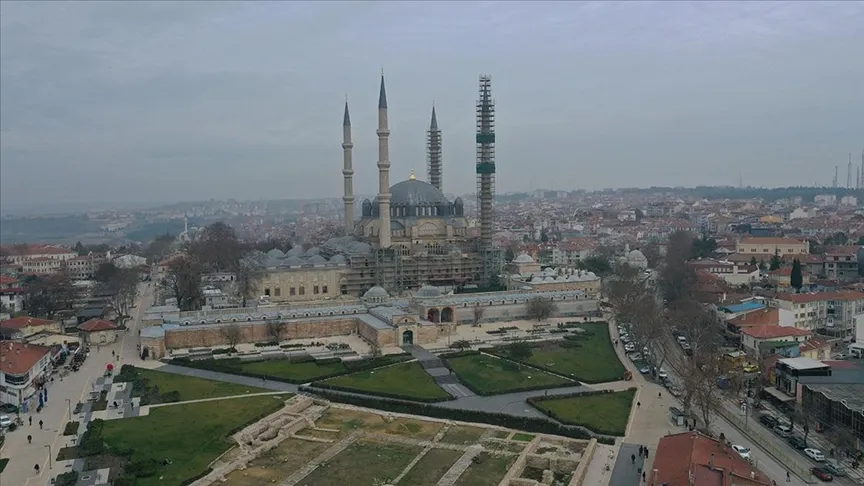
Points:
x=778 y=394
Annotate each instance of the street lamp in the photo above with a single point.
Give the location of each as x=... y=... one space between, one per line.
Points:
x=49 y=455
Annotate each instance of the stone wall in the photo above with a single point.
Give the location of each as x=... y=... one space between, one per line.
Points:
x=509 y=311
x=212 y=334
x=582 y=469
x=156 y=347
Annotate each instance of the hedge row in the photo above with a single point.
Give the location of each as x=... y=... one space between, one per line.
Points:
x=459 y=354
x=536 y=402
x=527 y=424
x=329 y=386
x=227 y=366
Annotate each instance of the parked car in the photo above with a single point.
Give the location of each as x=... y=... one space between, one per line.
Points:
x=821 y=474
x=629 y=348
x=662 y=374
x=833 y=469
x=751 y=368
x=8 y=408
x=742 y=451
x=797 y=442
x=644 y=370
x=814 y=454
x=5 y=421
x=682 y=340
x=768 y=421
x=784 y=431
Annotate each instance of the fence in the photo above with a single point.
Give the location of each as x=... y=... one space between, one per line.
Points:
x=767 y=445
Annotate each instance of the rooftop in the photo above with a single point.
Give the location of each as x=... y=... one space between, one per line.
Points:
x=694 y=459
x=770 y=331
x=743 y=307
x=802 y=363
x=18 y=358
x=24 y=321
x=94 y=325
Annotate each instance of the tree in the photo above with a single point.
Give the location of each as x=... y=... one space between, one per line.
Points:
x=704 y=247
x=540 y=308
x=478 y=314
x=249 y=271
x=275 y=328
x=624 y=289
x=775 y=261
x=652 y=254
x=676 y=277
x=639 y=215
x=231 y=334
x=803 y=415
x=159 y=248
x=596 y=264
x=796 y=278
x=120 y=283
x=79 y=249
x=106 y=272
x=754 y=262
x=218 y=248
x=48 y=295
x=544 y=236
x=183 y=282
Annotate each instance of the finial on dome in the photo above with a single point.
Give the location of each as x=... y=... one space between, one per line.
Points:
x=412 y=176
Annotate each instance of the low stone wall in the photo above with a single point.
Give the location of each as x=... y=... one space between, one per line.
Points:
x=582 y=469
x=250 y=332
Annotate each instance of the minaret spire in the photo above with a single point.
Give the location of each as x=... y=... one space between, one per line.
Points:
x=383 y=168
x=433 y=152
x=347 y=171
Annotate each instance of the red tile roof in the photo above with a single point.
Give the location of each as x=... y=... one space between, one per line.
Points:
x=761 y=317
x=769 y=240
x=820 y=296
x=768 y=331
x=94 y=325
x=6 y=280
x=18 y=358
x=23 y=321
x=690 y=454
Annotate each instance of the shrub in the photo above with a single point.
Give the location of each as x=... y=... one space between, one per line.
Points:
x=224 y=350
x=170 y=397
x=71 y=428
x=458 y=354
x=91 y=441
x=529 y=424
x=67 y=479
x=267 y=344
x=383 y=394
x=142 y=468
x=125 y=481
x=328 y=361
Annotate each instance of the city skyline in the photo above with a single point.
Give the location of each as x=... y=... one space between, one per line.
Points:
x=107 y=102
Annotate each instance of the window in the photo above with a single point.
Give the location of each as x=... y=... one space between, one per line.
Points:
x=343 y=289
x=315 y=289
x=302 y=290
x=267 y=291
x=292 y=291
x=323 y=289
x=278 y=292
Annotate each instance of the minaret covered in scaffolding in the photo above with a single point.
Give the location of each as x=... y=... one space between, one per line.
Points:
x=485 y=160
x=433 y=153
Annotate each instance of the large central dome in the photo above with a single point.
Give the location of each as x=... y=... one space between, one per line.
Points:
x=414 y=193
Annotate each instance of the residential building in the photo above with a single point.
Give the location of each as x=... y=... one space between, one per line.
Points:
x=23 y=370
x=782 y=277
x=754 y=339
x=693 y=459
x=18 y=255
x=790 y=371
x=573 y=251
x=841 y=262
x=767 y=245
x=733 y=273
x=24 y=326
x=837 y=399
x=832 y=313
x=11 y=294
x=98 y=331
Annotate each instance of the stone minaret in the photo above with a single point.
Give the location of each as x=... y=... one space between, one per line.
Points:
x=433 y=150
x=383 y=169
x=348 y=172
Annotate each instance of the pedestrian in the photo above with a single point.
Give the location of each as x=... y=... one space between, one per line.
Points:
x=659 y=394
x=643 y=476
x=29 y=439
x=633 y=458
x=638 y=471
x=112 y=352
x=638 y=404
x=31 y=421
x=788 y=477
x=646 y=453
x=264 y=377
x=36 y=467
x=641 y=450
x=40 y=425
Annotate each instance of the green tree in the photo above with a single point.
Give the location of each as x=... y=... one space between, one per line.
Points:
x=544 y=236
x=596 y=264
x=704 y=247
x=796 y=279
x=775 y=261
x=754 y=262
x=639 y=215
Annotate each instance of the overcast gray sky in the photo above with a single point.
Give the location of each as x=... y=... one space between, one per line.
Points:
x=161 y=101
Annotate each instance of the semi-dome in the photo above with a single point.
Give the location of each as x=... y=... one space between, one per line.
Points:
x=294 y=251
x=275 y=253
x=317 y=260
x=313 y=251
x=339 y=259
x=428 y=292
x=523 y=258
x=292 y=261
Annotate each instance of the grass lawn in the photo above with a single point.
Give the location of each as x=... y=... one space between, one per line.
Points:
x=605 y=413
x=190 y=435
x=488 y=375
x=404 y=380
x=363 y=463
x=523 y=437
x=460 y=435
x=283 y=368
x=191 y=388
x=593 y=361
x=431 y=467
x=488 y=472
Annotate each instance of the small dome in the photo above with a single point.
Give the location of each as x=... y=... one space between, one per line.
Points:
x=313 y=251
x=590 y=276
x=523 y=258
x=376 y=292
x=428 y=292
x=549 y=279
x=536 y=280
x=339 y=259
x=316 y=260
x=636 y=255
x=358 y=247
x=561 y=278
x=294 y=251
x=292 y=261
x=275 y=253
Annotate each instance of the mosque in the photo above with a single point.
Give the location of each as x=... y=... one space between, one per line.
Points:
x=409 y=235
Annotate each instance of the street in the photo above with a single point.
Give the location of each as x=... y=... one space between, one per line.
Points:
x=63 y=395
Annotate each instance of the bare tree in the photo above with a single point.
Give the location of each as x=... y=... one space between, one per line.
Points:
x=540 y=308
x=46 y=296
x=625 y=289
x=249 y=271
x=676 y=277
x=232 y=334
x=804 y=416
x=183 y=282
x=275 y=328
x=218 y=248
x=478 y=314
